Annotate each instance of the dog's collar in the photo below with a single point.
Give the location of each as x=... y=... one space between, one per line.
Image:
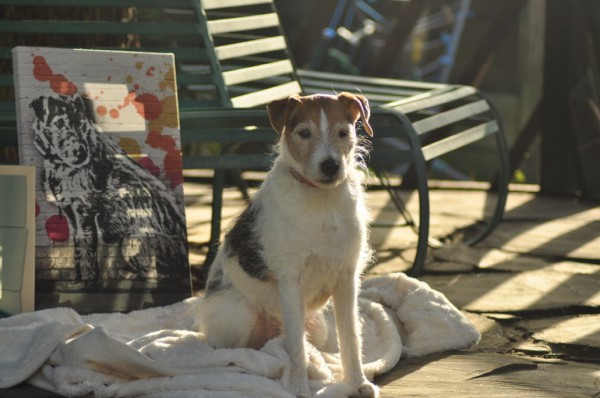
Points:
x=299 y=177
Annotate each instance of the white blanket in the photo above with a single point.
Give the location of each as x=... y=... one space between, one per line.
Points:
x=156 y=352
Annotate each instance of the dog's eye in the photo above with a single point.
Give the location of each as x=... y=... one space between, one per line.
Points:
x=304 y=134
x=343 y=133
x=60 y=123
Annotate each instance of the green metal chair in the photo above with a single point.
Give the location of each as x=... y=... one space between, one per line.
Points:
x=232 y=58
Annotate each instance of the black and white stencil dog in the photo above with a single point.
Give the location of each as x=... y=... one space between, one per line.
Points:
x=121 y=217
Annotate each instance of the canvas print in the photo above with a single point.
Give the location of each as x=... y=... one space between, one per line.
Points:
x=102 y=129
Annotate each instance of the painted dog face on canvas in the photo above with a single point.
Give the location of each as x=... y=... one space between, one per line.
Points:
x=124 y=222
x=64 y=129
x=301 y=242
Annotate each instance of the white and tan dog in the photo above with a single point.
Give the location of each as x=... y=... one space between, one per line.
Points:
x=301 y=241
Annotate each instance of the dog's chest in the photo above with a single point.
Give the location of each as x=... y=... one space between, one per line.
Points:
x=316 y=240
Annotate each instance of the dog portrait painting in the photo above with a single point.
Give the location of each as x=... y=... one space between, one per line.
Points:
x=109 y=202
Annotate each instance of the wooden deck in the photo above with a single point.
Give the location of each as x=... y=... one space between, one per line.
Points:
x=532 y=289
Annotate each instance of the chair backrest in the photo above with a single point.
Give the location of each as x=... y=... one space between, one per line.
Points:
x=251 y=51
x=229 y=53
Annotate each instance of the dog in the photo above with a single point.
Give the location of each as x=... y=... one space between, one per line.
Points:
x=106 y=196
x=301 y=241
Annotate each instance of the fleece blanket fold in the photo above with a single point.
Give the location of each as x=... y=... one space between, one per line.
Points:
x=156 y=352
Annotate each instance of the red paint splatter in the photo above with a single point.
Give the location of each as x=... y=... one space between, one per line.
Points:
x=57 y=228
x=150 y=71
x=156 y=140
x=58 y=83
x=37 y=209
x=172 y=165
x=149 y=165
x=153 y=138
x=148 y=106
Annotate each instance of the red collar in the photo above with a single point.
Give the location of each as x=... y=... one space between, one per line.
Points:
x=296 y=174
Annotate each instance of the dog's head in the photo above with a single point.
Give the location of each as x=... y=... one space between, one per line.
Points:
x=64 y=127
x=318 y=134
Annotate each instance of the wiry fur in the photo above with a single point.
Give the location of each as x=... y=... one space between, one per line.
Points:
x=301 y=241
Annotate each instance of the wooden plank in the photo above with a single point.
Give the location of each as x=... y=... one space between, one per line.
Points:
x=228 y=162
x=448 y=117
x=250 y=47
x=219 y=135
x=526 y=291
x=303 y=73
x=257 y=72
x=100 y=27
x=459 y=140
x=264 y=96
x=101 y=3
x=581 y=330
x=230 y=25
x=567 y=238
x=389 y=93
x=488 y=375
x=213 y=4
x=432 y=98
x=374 y=99
x=25 y=390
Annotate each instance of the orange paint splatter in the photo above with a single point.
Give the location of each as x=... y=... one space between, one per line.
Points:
x=41 y=70
x=114 y=113
x=101 y=110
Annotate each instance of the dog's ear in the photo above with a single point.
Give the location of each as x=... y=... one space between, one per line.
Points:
x=279 y=110
x=84 y=107
x=360 y=106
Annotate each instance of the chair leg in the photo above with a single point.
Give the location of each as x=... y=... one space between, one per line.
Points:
x=215 y=225
x=501 y=183
x=423 y=191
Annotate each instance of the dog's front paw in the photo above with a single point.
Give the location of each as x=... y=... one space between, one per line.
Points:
x=302 y=394
x=299 y=387
x=366 y=390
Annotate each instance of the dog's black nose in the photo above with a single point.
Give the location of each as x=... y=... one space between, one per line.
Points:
x=330 y=167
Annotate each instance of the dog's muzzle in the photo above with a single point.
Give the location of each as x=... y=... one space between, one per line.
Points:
x=330 y=167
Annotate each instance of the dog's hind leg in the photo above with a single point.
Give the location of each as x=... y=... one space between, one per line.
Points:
x=227 y=319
